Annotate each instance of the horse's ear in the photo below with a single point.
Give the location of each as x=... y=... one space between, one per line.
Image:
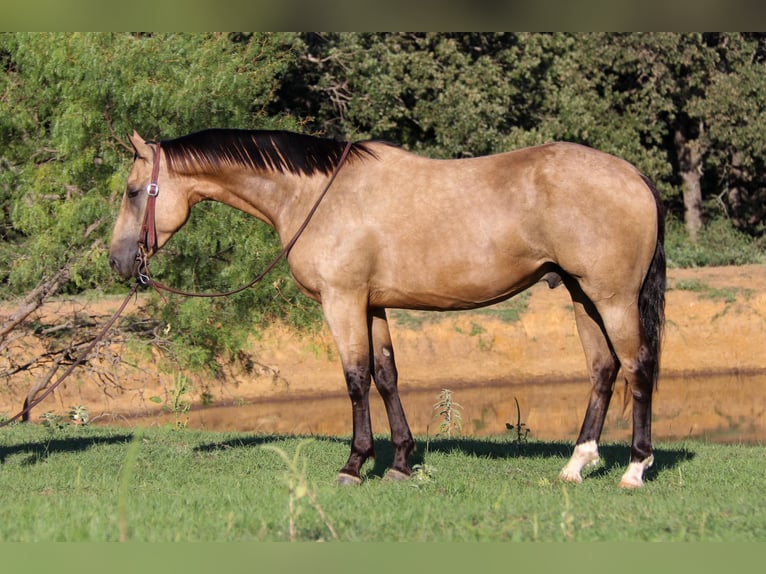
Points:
x=141 y=148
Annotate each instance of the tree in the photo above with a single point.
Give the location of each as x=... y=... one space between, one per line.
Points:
x=444 y=95
x=67 y=103
x=734 y=111
x=696 y=99
x=683 y=107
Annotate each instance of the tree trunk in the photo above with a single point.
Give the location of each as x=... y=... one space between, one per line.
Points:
x=38 y=387
x=690 y=165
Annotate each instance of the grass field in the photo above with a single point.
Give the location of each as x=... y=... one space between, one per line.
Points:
x=93 y=483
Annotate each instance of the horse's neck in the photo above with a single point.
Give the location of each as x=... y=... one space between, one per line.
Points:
x=280 y=200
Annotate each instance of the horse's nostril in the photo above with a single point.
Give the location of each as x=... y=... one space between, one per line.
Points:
x=116 y=266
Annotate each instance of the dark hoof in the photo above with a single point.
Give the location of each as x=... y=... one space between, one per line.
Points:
x=396 y=475
x=344 y=479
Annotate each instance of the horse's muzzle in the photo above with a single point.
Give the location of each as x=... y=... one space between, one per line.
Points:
x=125 y=265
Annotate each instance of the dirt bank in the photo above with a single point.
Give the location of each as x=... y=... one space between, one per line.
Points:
x=716 y=324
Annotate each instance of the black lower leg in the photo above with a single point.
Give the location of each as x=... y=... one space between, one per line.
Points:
x=641 y=448
x=642 y=387
x=600 y=397
x=362 y=447
x=386 y=380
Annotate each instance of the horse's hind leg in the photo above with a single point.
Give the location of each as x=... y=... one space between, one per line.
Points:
x=602 y=367
x=385 y=376
x=638 y=367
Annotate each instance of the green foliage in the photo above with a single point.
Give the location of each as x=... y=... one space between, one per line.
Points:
x=177 y=401
x=718 y=243
x=220 y=249
x=67 y=102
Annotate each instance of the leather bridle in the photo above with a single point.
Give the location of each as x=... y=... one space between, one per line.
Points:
x=147 y=239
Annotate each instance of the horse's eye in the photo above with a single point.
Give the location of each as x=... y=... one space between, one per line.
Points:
x=133 y=193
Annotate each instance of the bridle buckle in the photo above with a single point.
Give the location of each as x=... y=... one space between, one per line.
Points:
x=153 y=189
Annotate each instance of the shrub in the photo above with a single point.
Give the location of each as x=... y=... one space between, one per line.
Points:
x=718 y=243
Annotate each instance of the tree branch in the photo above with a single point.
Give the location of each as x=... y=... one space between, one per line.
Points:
x=33 y=301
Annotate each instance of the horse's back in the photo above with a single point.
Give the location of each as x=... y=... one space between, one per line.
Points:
x=548 y=200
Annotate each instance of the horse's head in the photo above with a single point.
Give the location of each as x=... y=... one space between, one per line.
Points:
x=170 y=212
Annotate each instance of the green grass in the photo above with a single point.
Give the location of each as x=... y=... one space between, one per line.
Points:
x=726 y=295
x=160 y=484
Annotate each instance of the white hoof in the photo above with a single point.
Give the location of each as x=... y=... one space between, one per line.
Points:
x=569 y=475
x=585 y=455
x=634 y=476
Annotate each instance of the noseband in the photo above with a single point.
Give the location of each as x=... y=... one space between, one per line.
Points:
x=147 y=238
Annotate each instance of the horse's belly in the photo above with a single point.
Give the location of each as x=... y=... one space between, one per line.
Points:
x=453 y=287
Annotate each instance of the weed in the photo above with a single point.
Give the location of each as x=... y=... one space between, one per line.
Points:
x=127 y=471
x=414 y=320
x=178 y=404
x=476 y=329
x=298 y=488
x=79 y=415
x=52 y=421
x=508 y=311
x=726 y=295
x=449 y=411
x=694 y=285
x=567 y=519
x=520 y=429
x=423 y=473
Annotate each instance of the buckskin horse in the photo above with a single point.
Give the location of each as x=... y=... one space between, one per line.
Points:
x=397 y=230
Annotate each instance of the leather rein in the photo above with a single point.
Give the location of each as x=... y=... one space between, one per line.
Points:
x=147 y=239
x=147 y=245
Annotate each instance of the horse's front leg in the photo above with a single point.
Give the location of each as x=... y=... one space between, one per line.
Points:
x=362 y=447
x=347 y=319
x=385 y=376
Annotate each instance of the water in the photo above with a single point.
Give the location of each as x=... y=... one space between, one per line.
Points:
x=721 y=408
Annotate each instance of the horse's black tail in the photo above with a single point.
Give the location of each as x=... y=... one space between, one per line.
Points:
x=651 y=302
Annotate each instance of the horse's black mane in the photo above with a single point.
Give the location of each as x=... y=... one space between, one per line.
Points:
x=215 y=149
